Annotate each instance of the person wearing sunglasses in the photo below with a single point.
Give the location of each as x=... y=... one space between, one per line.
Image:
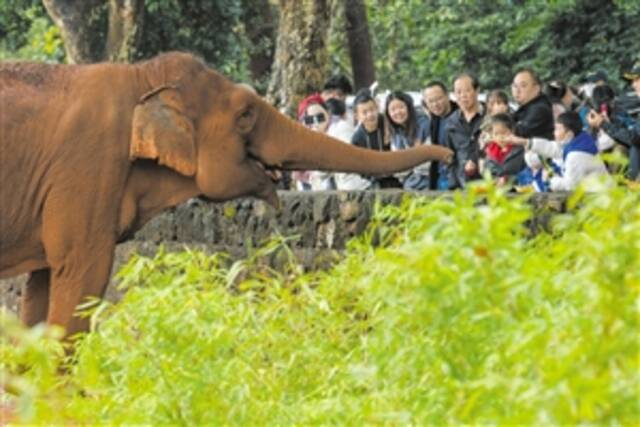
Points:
x=313 y=114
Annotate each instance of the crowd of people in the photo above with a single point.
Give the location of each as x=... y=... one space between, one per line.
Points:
x=547 y=137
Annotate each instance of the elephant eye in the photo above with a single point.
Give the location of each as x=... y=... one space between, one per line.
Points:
x=246 y=120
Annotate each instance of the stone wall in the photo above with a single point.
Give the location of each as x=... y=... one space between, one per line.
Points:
x=322 y=221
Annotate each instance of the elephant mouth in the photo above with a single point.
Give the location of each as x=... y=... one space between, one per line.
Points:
x=274 y=173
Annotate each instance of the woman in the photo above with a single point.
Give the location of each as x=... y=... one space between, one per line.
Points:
x=404 y=130
x=313 y=113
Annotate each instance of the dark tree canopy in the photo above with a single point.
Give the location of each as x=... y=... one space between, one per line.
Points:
x=412 y=42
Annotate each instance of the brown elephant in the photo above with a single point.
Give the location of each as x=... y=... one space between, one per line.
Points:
x=89 y=153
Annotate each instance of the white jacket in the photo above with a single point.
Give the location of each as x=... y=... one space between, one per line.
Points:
x=577 y=167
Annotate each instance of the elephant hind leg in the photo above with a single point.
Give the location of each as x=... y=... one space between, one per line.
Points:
x=35 y=298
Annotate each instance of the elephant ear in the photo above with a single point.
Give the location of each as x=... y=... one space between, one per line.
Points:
x=161 y=131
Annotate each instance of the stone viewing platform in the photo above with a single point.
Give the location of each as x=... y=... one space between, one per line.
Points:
x=322 y=221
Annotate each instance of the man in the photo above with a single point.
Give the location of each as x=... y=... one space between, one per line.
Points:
x=438 y=106
x=369 y=134
x=463 y=132
x=627 y=134
x=337 y=86
x=534 y=117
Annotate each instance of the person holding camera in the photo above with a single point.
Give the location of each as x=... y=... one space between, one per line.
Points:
x=616 y=124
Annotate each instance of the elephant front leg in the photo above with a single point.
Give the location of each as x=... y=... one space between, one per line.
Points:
x=84 y=273
x=35 y=298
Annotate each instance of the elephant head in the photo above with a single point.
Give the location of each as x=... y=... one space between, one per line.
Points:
x=226 y=137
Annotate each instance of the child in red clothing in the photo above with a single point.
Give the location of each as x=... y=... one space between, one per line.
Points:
x=499 y=126
x=494 y=153
x=500 y=157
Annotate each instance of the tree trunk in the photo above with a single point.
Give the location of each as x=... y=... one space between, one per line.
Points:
x=74 y=18
x=359 y=42
x=301 y=55
x=125 y=28
x=83 y=29
x=259 y=25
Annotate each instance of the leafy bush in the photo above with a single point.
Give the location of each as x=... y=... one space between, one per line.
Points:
x=27 y=33
x=456 y=315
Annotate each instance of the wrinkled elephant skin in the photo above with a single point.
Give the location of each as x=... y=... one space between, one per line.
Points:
x=89 y=153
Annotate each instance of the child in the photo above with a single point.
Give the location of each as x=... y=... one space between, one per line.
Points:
x=497 y=103
x=503 y=160
x=574 y=149
x=534 y=176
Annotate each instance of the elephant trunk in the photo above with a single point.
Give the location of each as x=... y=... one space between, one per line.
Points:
x=289 y=145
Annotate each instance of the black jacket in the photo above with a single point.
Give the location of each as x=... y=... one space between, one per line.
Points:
x=437 y=132
x=462 y=137
x=512 y=165
x=371 y=140
x=535 y=118
x=375 y=141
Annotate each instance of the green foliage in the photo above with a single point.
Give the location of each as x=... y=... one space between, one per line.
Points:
x=27 y=33
x=417 y=41
x=456 y=316
x=210 y=29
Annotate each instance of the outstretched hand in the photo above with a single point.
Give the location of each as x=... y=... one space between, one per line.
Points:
x=510 y=138
x=447 y=156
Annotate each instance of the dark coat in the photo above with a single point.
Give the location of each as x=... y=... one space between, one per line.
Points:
x=371 y=140
x=535 y=118
x=512 y=165
x=627 y=134
x=462 y=137
x=375 y=141
x=438 y=134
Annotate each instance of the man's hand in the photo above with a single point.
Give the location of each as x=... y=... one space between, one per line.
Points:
x=470 y=168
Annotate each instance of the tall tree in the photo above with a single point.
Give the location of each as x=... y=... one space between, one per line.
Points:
x=83 y=31
x=259 y=25
x=359 y=41
x=301 y=55
x=77 y=28
x=126 y=19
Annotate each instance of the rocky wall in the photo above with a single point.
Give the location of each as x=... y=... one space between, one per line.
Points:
x=322 y=223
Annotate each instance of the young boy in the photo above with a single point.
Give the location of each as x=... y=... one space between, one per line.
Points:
x=574 y=149
x=370 y=133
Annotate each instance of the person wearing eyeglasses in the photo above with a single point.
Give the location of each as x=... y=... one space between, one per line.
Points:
x=439 y=108
x=534 y=117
